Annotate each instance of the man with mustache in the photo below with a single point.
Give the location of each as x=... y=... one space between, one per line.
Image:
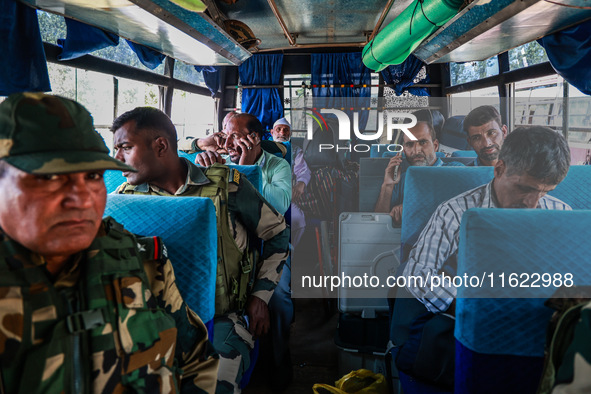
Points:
x=146 y=138
x=532 y=162
x=243 y=134
x=486 y=133
x=418 y=153
x=86 y=306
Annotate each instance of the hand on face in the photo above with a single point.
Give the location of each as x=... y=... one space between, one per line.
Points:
x=247 y=148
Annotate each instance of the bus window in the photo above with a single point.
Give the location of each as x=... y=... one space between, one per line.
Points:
x=472 y=71
x=526 y=55
x=192 y=114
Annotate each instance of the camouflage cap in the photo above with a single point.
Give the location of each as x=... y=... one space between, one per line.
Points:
x=45 y=134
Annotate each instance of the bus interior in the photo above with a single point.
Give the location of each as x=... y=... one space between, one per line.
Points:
x=197 y=60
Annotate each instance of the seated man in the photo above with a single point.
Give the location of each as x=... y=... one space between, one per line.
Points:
x=215 y=142
x=531 y=163
x=418 y=153
x=86 y=305
x=300 y=175
x=486 y=133
x=243 y=143
x=146 y=139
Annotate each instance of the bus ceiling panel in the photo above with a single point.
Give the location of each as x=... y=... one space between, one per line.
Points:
x=311 y=22
x=189 y=36
x=488 y=27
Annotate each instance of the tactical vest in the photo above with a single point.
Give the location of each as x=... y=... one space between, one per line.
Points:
x=106 y=334
x=235 y=268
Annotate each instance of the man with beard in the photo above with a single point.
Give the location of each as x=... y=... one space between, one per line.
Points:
x=486 y=133
x=418 y=153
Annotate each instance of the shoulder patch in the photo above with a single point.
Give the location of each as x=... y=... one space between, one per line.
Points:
x=152 y=248
x=235 y=176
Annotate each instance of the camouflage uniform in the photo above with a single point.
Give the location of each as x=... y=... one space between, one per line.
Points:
x=250 y=215
x=111 y=319
x=131 y=358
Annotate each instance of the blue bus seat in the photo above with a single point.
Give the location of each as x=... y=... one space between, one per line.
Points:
x=392 y=154
x=575 y=189
x=252 y=173
x=500 y=341
x=188 y=229
x=113 y=178
x=421 y=200
x=464 y=153
x=426 y=188
x=463 y=160
x=453 y=135
x=371 y=176
x=189 y=156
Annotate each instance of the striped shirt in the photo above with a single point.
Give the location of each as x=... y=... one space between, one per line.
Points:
x=438 y=243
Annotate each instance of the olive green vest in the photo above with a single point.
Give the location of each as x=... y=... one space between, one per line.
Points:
x=235 y=268
x=109 y=320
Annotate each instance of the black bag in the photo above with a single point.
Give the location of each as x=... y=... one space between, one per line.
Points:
x=424 y=342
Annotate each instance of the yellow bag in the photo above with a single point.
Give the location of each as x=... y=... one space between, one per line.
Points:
x=361 y=381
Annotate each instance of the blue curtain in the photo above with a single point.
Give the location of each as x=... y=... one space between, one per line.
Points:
x=403 y=75
x=211 y=76
x=24 y=67
x=342 y=69
x=265 y=104
x=569 y=52
x=148 y=56
x=82 y=39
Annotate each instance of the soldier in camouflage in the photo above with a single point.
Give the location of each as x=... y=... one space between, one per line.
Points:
x=85 y=306
x=146 y=139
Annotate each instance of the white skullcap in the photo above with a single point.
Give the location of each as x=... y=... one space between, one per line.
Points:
x=281 y=121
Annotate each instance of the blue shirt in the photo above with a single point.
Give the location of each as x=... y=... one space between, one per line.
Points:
x=398 y=192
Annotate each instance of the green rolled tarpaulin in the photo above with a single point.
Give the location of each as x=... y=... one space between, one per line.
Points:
x=418 y=21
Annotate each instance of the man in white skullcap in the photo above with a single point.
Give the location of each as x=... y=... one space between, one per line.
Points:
x=281 y=130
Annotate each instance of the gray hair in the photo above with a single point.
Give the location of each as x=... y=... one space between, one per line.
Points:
x=537 y=151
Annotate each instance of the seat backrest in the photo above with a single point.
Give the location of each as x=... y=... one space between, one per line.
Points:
x=463 y=160
x=371 y=177
x=189 y=156
x=188 y=228
x=453 y=134
x=113 y=178
x=427 y=187
x=575 y=189
x=388 y=154
x=508 y=334
x=252 y=173
x=464 y=153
